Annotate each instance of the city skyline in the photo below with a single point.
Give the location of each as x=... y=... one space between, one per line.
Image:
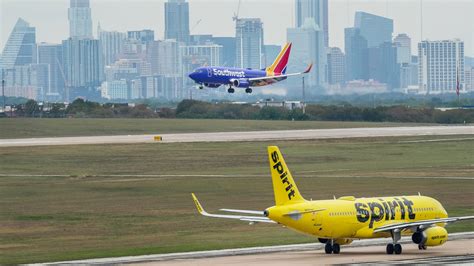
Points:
x=456 y=22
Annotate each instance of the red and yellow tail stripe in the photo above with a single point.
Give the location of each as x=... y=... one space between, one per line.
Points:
x=279 y=65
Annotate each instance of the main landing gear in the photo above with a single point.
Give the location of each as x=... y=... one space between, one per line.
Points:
x=230 y=90
x=332 y=247
x=421 y=247
x=395 y=247
x=248 y=90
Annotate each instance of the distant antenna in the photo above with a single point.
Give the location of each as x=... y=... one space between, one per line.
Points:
x=421 y=19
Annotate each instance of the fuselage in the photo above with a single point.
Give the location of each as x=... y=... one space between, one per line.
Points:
x=355 y=218
x=224 y=75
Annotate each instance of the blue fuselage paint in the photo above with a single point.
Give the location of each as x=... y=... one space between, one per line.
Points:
x=224 y=75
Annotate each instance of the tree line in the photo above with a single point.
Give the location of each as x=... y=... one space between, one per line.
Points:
x=205 y=110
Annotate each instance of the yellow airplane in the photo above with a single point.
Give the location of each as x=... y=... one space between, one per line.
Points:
x=339 y=221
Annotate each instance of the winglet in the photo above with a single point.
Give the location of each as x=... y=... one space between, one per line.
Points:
x=308 y=69
x=198 y=205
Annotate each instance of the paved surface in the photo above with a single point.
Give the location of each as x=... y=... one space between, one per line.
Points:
x=452 y=252
x=247 y=136
x=459 y=249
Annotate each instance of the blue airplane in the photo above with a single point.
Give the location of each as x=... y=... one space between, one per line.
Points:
x=214 y=77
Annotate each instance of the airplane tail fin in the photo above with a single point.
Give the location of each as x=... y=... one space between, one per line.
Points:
x=284 y=187
x=280 y=63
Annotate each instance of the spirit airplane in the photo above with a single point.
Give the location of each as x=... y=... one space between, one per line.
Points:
x=214 y=77
x=339 y=221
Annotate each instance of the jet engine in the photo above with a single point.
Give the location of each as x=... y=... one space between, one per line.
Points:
x=433 y=236
x=240 y=83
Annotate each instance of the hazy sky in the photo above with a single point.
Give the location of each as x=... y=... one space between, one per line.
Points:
x=442 y=19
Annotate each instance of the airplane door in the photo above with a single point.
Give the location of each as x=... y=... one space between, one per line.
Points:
x=317 y=219
x=209 y=72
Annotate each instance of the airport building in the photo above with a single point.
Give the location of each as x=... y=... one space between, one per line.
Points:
x=249 y=43
x=440 y=66
x=80 y=20
x=177 y=20
x=336 y=66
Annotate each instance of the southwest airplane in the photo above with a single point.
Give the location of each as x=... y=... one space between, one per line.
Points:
x=214 y=77
x=339 y=221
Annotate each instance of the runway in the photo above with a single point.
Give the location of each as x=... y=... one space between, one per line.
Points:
x=459 y=249
x=247 y=136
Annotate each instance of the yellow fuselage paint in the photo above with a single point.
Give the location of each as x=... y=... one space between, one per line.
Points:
x=355 y=218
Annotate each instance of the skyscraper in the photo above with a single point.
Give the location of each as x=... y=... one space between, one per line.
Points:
x=20 y=48
x=375 y=29
x=308 y=41
x=143 y=36
x=316 y=9
x=356 y=55
x=336 y=66
x=80 y=21
x=83 y=66
x=383 y=65
x=52 y=56
x=112 y=43
x=249 y=43
x=440 y=64
x=177 y=20
x=228 y=49
x=403 y=44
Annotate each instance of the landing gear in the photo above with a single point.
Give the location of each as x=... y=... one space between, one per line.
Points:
x=332 y=248
x=230 y=90
x=248 y=90
x=395 y=247
x=201 y=87
x=328 y=248
x=336 y=248
x=390 y=249
x=421 y=247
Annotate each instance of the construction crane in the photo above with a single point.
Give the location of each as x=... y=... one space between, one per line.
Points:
x=236 y=15
x=195 y=25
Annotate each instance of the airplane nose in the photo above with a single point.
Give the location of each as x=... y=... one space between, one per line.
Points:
x=192 y=75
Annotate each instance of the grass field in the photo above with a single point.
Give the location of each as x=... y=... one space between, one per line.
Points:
x=73 y=202
x=29 y=128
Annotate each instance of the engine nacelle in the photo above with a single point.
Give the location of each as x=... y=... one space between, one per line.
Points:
x=433 y=236
x=240 y=83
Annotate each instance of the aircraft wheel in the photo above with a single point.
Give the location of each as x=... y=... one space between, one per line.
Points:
x=390 y=249
x=248 y=90
x=328 y=248
x=230 y=90
x=398 y=249
x=336 y=248
x=421 y=247
x=201 y=87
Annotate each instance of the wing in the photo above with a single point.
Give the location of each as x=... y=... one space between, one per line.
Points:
x=254 y=219
x=262 y=81
x=406 y=225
